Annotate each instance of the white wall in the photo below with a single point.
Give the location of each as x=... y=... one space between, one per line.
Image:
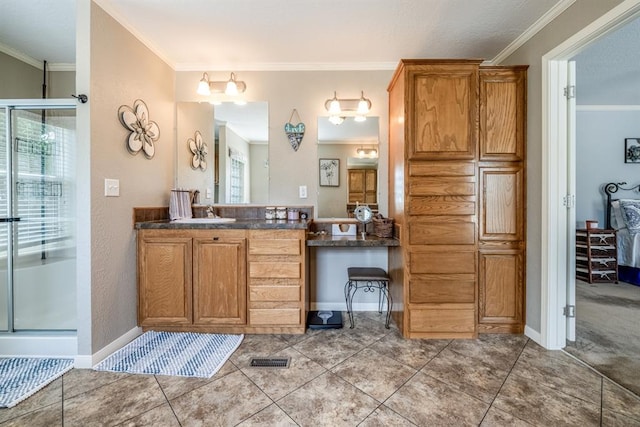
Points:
x=600 y=136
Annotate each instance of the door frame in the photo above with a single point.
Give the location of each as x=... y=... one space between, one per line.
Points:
x=555 y=167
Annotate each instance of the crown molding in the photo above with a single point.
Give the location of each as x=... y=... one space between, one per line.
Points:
x=542 y=22
x=21 y=56
x=290 y=66
x=61 y=66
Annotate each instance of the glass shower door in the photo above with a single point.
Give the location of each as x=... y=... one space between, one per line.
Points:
x=5 y=299
x=38 y=198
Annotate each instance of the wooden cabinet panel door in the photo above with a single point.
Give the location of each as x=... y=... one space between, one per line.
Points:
x=502 y=113
x=363 y=186
x=220 y=282
x=501 y=289
x=502 y=203
x=164 y=275
x=443 y=122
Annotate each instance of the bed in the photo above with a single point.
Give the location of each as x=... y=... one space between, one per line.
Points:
x=623 y=215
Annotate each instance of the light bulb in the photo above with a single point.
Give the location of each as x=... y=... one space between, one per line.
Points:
x=373 y=153
x=363 y=105
x=359 y=118
x=360 y=152
x=203 y=86
x=335 y=119
x=232 y=88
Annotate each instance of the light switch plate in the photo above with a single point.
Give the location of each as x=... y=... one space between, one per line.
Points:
x=302 y=190
x=111 y=187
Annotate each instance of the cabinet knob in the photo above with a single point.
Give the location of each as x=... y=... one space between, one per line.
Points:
x=216 y=238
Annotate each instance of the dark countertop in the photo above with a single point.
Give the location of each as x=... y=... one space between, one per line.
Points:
x=239 y=224
x=329 y=240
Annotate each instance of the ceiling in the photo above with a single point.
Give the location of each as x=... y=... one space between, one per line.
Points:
x=284 y=34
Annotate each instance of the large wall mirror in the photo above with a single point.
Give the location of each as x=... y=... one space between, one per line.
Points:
x=355 y=145
x=237 y=158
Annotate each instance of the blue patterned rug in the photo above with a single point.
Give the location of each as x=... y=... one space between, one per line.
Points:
x=182 y=354
x=20 y=377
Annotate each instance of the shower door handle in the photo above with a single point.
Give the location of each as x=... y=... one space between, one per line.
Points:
x=15 y=219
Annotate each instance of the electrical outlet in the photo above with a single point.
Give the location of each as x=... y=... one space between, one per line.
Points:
x=208 y=193
x=302 y=190
x=112 y=187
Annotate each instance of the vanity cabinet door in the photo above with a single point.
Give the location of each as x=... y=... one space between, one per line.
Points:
x=164 y=279
x=219 y=278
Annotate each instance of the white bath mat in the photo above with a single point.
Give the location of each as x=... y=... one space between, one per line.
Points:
x=183 y=354
x=20 y=377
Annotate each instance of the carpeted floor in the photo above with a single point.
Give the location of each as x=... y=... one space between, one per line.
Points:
x=608 y=331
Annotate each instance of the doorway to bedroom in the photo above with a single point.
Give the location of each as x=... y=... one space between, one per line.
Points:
x=606 y=123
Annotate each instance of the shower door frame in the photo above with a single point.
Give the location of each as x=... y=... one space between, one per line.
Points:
x=9 y=105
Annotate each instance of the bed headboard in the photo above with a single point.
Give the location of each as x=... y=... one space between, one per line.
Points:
x=611 y=188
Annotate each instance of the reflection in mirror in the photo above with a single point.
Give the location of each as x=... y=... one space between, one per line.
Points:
x=237 y=138
x=353 y=143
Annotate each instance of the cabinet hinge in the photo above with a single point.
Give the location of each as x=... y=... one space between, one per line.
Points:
x=570 y=92
x=569 y=201
x=569 y=310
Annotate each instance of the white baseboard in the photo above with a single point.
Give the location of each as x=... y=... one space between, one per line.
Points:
x=89 y=361
x=34 y=345
x=532 y=334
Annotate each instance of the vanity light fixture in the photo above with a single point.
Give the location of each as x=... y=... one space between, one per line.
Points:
x=339 y=108
x=231 y=87
x=371 y=153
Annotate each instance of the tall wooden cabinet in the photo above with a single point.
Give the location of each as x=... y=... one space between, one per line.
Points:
x=363 y=186
x=462 y=200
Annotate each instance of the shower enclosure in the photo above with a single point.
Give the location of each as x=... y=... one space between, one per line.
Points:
x=37 y=216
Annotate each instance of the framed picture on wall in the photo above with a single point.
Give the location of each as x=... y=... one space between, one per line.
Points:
x=329 y=172
x=632 y=150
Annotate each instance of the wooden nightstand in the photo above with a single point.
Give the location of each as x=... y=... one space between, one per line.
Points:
x=596 y=255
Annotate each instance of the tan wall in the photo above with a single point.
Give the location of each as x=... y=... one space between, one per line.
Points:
x=574 y=19
x=122 y=70
x=19 y=80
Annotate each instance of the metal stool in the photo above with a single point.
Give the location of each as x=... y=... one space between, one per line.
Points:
x=370 y=279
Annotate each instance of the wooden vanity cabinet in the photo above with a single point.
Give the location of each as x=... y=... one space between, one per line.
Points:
x=191 y=279
x=221 y=280
x=277 y=291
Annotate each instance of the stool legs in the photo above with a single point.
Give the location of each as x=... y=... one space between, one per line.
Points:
x=351 y=287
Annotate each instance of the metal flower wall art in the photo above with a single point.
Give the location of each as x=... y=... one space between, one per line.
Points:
x=199 y=150
x=144 y=132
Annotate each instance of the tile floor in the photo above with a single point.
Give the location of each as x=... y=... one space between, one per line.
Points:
x=367 y=376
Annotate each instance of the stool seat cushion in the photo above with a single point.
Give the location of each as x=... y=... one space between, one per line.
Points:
x=366 y=273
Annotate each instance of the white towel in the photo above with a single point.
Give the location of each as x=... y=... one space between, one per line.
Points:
x=179 y=205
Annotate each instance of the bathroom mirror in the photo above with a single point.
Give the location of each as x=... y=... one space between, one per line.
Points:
x=237 y=138
x=353 y=143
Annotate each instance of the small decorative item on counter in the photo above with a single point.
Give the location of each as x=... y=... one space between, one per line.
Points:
x=281 y=212
x=382 y=227
x=270 y=212
x=303 y=215
x=293 y=214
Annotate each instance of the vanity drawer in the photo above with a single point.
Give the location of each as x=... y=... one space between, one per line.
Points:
x=439 y=288
x=275 y=247
x=443 y=260
x=274 y=293
x=290 y=270
x=274 y=316
x=442 y=320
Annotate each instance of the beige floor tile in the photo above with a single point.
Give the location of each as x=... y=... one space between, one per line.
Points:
x=271 y=416
x=47 y=396
x=78 y=381
x=497 y=418
x=328 y=401
x=278 y=382
x=159 y=416
x=559 y=371
x=466 y=374
x=541 y=405
x=373 y=373
x=384 y=417
x=619 y=400
x=49 y=416
x=177 y=386
x=614 y=419
x=113 y=403
x=329 y=348
x=224 y=402
x=425 y=401
x=498 y=350
x=413 y=353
